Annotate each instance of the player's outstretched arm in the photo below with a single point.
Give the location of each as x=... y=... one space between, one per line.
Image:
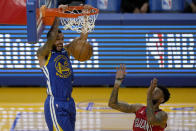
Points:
x=84 y=34
x=82 y=39
x=113 y=102
x=159 y=118
x=44 y=50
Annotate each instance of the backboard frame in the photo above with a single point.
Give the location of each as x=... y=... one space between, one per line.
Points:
x=35 y=24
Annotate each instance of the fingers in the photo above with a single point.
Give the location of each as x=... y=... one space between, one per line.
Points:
x=121 y=70
x=124 y=69
x=153 y=83
x=87 y=6
x=63 y=8
x=120 y=67
x=86 y=9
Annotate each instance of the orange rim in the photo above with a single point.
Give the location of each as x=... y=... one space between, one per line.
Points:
x=52 y=12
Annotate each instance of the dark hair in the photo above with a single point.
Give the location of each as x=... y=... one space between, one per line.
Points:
x=165 y=93
x=59 y=31
x=48 y=34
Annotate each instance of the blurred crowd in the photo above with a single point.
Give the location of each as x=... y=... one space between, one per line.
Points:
x=136 y=6
x=190 y=6
x=142 y=6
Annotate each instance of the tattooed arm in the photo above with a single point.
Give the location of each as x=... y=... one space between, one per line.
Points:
x=43 y=51
x=154 y=119
x=113 y=102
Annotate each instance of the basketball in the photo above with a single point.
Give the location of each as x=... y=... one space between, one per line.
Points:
x=81 y=51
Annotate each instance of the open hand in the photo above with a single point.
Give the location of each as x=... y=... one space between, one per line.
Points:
x=153 y=85
x=63 y=8
x=121 y=72
x=86 y=9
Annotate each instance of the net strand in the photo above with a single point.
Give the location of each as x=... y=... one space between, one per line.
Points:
x=81 y=23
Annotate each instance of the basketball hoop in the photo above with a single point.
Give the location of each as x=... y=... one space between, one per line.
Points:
x=74 y=17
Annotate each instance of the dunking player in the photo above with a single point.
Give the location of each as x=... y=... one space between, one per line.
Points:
x=59 y=108
x=148 y=118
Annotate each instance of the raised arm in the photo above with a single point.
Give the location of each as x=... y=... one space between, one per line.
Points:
x=159 y=118
x=84 y=35
x=44 y=50
x=113 y=102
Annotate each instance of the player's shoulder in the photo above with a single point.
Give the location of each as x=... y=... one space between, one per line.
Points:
x=162 y=114
x=139 y=107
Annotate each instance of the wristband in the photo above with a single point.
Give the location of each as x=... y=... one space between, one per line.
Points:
x=117 y=82
x=120 y=78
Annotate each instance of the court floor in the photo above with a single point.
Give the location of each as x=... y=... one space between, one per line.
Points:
x=21 y=109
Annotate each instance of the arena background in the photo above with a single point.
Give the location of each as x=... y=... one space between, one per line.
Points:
x=151 y=45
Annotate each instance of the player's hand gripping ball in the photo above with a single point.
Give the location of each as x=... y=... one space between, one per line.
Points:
x=81 y=50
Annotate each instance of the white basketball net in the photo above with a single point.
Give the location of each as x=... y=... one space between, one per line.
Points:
x=81 y=23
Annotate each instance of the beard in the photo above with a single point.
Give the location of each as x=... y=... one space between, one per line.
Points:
x=154 y=102
x=54 y=47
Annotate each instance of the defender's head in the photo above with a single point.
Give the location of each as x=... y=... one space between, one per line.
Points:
x=160 y=95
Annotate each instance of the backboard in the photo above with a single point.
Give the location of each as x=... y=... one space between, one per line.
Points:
x=35 y=25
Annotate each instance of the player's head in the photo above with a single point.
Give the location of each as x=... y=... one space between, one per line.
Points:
x=160 y=95
x=58 y=44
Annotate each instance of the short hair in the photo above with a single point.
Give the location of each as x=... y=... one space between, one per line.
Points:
x=165 y=93
x=59 y=31
x=48 y=34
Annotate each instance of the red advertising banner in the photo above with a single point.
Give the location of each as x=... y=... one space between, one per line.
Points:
x=13 y=12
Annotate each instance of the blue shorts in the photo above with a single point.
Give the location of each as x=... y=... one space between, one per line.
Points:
x=60 y=114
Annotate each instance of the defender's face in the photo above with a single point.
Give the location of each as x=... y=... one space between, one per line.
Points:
x=59 y=42
x=157 y=96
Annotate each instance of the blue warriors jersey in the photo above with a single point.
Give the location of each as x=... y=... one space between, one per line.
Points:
x=58 y=73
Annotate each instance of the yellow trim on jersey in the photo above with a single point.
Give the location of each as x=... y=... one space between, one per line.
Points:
x=48 y=58
x=54 y=129
x=56 y=126
x=60 y=129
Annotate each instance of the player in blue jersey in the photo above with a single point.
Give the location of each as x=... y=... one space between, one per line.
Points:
x=59 y=107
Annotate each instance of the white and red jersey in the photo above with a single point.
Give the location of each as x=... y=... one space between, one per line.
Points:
x=141 y=123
